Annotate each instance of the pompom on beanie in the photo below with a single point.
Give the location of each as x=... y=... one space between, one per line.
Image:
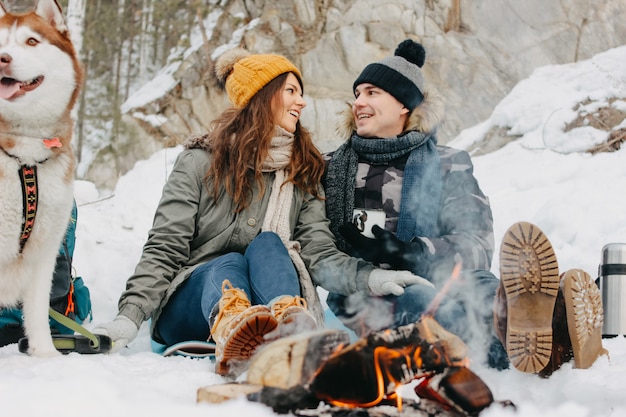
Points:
x=243 y=74
x=399 y=75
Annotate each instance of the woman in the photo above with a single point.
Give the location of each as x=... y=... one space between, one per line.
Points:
x=240 y=237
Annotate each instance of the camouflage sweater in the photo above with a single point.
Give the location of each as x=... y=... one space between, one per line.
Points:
x=464 y=224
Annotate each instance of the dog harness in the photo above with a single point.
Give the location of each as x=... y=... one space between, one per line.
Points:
x=30 y=192
x=28 y=178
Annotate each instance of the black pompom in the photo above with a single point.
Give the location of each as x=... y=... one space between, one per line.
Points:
x=411 y=51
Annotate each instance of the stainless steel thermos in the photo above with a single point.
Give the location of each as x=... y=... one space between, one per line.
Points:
x=612 y=281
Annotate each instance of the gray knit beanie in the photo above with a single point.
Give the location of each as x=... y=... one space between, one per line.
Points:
x=399 y=75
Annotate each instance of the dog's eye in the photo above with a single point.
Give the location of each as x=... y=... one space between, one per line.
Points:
x=32 y=42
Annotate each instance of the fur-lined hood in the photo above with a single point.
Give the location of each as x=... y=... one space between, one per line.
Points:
x=425 y=118
x=197 y=142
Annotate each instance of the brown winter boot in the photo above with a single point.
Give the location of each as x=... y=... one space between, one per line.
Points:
x=529 y=276
x=238 y=330
x=561 y=342
x=583 y=305
x=561 y=345
x=292 y=315
x=576 y=322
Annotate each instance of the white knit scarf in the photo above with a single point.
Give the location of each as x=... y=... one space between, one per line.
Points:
x=277 y=215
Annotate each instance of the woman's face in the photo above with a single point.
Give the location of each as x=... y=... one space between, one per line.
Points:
x=289 y=104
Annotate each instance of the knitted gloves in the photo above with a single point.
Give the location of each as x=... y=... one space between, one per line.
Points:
x=385 y=282
x=121 y=330
x=386 y=248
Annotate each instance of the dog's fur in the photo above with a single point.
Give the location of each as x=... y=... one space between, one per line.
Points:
x=35 y=46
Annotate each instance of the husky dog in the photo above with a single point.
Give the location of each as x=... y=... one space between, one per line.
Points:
x=40 y=78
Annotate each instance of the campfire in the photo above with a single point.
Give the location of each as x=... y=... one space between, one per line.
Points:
x=320 y=373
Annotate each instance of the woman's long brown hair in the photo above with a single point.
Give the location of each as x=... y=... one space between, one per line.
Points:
x=240 y=141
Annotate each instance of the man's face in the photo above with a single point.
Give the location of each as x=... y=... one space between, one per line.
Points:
x=377 y=113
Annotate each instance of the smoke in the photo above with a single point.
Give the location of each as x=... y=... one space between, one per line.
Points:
x=465 y=310
x=363 y=313
x=474 y=292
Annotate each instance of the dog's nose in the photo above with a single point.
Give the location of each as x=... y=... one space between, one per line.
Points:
x=5 y=60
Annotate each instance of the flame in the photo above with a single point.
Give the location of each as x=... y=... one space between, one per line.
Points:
x=383 y=358
x=404 y=361
x=394 y=367
x=434 y=350
x=409 y=359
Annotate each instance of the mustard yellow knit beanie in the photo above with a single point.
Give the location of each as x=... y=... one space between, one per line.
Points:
x=243 y=74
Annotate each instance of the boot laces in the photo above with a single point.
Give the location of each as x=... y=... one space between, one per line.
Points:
x=234 y=301
x=283 y=303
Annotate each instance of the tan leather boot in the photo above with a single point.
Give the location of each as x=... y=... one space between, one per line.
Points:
x=529 y=276
x=583 y=306
x=561 y=351
x=292 y=315
x=577 y=323
x=238 y=330
x=576 y=317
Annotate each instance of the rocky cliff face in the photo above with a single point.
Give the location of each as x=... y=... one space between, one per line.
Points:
x=476 y=52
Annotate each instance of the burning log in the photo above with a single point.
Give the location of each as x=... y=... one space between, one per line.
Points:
x=293 y=360
x=319 y=374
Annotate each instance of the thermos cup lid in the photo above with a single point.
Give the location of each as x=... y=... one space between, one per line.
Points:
x=614 y=253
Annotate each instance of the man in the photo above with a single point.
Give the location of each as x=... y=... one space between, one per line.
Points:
x=436 y=219
x=435 y=215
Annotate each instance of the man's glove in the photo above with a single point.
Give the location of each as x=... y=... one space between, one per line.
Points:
x=386 y=248
x=121 y=330
x=385 y=282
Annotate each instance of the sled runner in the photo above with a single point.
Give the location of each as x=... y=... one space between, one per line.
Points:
x=196 y=349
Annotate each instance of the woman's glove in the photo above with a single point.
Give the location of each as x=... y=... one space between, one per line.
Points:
x=121 y=330
x=385 y=282
x=386 y=248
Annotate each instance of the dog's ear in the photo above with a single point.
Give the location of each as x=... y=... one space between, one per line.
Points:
x=50 y=11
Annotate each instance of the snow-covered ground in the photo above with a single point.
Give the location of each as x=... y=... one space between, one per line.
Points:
x=544 y=177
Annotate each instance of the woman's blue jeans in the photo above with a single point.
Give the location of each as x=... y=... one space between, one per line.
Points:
x=263 y=272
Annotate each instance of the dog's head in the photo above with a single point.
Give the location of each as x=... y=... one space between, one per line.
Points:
x=39 y=72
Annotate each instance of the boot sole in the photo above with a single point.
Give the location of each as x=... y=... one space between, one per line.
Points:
x=583 y=306
x=243 y=341
x=530 y=276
